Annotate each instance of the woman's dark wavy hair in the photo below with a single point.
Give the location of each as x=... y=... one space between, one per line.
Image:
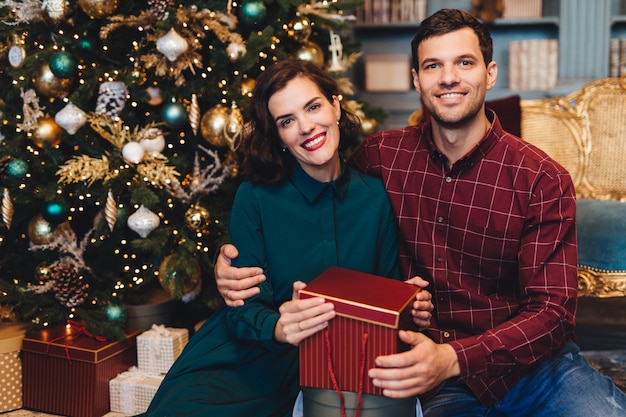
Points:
x=264 y=161
x=449 y=20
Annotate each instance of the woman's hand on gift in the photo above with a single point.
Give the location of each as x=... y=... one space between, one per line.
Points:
x=423 y=307
x=300 y=319
x=235 y=284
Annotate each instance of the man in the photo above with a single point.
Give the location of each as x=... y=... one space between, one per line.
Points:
x=489 y=221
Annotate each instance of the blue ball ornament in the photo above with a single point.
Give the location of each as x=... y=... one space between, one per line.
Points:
x=253 y=12
x=55 y=212
x=63 y=65
x=17 y=168
x=115 y=312
x=174 y=115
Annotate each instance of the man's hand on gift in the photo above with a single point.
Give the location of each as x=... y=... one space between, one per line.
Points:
x=423 y=307
x=235 y=284
x=300 y=319
x=419 y=370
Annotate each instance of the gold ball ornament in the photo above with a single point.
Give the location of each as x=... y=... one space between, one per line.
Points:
x=97 y=9
x=312 y=52
x=299 y=29
x=197 y=218
x=43 y=273
x=246 y=86
x=40 y=231
x=47 y=134
x=174 y=279
x=368 y=126
x=221 y=125
x=46 y=83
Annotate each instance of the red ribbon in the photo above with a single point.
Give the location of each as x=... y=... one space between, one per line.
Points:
x=333 y=378
x=77 y=329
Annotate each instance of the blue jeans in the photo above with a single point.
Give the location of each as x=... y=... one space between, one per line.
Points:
x=564 y=386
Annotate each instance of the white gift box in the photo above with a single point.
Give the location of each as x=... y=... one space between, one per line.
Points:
x=159 y=347
x=132 y=391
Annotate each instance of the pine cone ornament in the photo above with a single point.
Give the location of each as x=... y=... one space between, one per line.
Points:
x=158 y=8
x=4 y=163
x=69 y=287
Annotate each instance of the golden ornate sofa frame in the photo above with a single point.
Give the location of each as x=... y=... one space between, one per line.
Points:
x=585 y=132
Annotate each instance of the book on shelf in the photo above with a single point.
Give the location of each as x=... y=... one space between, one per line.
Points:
x=533 y=64
x=617 y=57
x=519 y=9
x=391 y=11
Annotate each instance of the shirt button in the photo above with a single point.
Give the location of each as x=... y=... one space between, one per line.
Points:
x=448 y=179
x=446 y=335
x=439 y=259
x=440 y=219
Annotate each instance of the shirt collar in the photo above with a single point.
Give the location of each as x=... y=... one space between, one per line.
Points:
x=481 y=149
x=311 y=189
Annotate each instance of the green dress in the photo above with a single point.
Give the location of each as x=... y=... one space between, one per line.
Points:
x=233 y=366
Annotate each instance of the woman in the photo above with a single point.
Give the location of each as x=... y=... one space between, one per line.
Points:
x=301 y=211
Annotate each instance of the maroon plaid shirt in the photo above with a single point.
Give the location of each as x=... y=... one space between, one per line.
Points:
x=495 y=235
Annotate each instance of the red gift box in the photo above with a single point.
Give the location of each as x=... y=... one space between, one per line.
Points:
x=370 y=311
x=67 y=371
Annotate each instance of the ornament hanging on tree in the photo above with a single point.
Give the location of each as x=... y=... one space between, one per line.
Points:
x=310 y=51
x=194 y=114
x=221 y=125
x=369 y=126
x=17 y=169
x=71 y=118
x=151 y=140
x=133 y=152
x=43 y=273
x=172 y=45
x=158 y=8
x=154 y=94
x=143 y=221
x=253 y=12
x=55 y=8
x=63 y=64
x=176 y=281
x=197 y=218
x=336 y=53
x=97 y=9
x=17 y=52
x=110 y=210
x=246 y=86
x=7 y=209
x=115 y=312
x=111 y=98
x=174 y=114
x=47 y=134
x=299 y=29
x=55 y=212
x=40 y=231
x=49 y=85
x=69 y=286
x=235 y=51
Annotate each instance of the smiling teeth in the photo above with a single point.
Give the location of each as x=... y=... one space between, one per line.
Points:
x=451 y=95
x=313 y=143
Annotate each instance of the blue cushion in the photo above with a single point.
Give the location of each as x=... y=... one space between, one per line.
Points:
x=601 y=227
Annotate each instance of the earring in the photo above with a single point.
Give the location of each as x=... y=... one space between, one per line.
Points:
x=284 y=149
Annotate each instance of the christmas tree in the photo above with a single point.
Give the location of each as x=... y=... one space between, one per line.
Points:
x=120 y=124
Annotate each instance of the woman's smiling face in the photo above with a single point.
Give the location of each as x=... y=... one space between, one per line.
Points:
x=307 y=124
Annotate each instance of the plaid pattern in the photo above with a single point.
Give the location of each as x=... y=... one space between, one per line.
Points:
x=495 y=235
x=159 y=347
x=132 y=391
